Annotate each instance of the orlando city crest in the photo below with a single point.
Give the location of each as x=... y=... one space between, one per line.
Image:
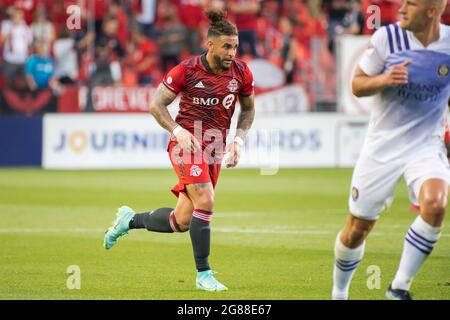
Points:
x=233 y=85
x=355 y=193
x=443 y=70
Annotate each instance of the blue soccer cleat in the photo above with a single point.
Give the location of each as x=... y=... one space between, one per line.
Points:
x=206 y=281
x=119 y=228
x=397 y=294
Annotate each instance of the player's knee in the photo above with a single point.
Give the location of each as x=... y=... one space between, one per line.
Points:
x=354 y=236
x=183 y=227
x=183 y=223
x=434 y=205
x=205 y=201
x=354 y=239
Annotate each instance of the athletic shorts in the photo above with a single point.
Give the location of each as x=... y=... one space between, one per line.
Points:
x=193 y=168
x=373 y=183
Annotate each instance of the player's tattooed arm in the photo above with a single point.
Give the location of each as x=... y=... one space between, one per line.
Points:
x=245 y=121
x=158 y=107
x=246 y=115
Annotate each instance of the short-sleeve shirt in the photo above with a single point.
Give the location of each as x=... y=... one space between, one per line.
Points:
x=41 y=69
x=410 y=118
x=208 y=100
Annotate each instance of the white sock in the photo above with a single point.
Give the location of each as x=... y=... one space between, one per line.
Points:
x=346 y=261
x=419 y=243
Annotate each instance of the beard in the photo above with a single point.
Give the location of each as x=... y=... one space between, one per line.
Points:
x=414 y=25
x=220 y=63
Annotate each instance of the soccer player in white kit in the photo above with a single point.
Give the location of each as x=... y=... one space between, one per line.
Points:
x=407 y=68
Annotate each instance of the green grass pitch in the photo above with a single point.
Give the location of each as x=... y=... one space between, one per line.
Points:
x=272 y=237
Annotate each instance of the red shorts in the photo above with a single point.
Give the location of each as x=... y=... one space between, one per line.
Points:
x=193 y=168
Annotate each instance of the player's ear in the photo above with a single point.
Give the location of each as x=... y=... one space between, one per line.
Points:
x=210 y=44
x=432 y=12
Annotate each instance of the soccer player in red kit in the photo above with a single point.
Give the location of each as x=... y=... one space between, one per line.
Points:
x=209 y=85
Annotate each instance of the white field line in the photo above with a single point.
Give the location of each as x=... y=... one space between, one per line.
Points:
x=282 y=230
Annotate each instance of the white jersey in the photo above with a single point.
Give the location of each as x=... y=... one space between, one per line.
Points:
x=15 y=48
x=410 y=118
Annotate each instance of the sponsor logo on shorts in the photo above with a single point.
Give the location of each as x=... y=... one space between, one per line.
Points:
x=355 y=193
x=443 y=70
x=196 y=171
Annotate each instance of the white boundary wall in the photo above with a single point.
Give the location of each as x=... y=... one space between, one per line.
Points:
x=93 y=141
x=349 y=53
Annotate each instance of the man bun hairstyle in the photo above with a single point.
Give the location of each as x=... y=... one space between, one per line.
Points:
x=220 y=26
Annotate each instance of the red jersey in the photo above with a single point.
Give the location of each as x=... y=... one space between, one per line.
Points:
x=146 y=48
x=191 y=12
x=206 y=96
x=246 y=21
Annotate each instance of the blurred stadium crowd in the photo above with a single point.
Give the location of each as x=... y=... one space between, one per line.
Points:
x=134 y=42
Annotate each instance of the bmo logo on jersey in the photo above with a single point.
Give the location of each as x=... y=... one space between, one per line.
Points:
x=205 y=102
x=227 y=102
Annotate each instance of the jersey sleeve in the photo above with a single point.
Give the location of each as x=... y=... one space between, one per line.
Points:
x=175 y=79
x=248 y=83
x=373 y=59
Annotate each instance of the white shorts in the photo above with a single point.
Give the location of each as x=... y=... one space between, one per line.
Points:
x=373 y=183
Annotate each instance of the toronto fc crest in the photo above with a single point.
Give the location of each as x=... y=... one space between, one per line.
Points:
x=233 y=85
x=443 y=70
x=195 y=171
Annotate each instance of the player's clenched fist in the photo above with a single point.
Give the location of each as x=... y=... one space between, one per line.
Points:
x=397 y=74
x=186 y=140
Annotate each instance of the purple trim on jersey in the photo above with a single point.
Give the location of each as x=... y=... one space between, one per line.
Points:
x=391 y=46
x=405 y=39
x=397 y=37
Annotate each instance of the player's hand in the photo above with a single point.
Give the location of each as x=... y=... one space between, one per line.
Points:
x=234 y=154
x=397 y=74
x=187 y=141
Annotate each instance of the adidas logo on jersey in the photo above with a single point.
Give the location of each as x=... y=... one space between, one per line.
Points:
x=199 y=85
